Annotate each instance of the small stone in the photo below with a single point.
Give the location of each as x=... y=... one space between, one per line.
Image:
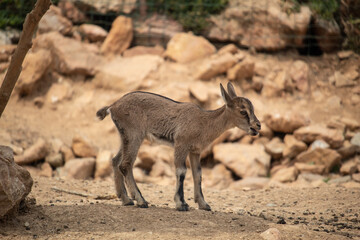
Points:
x=345 y=54
x=214 y=66
x=286 y=175
x=293 y=146
x=339 y=180
x=319 y=144
x=320 y=156
x=79 y=168
x=285 y=123
x=309 y=134
x=310 y=168
x=103 y=164
x=46 y=170
x=275 y=148
x=349 y=167
x=355 y=140
x=200 y=91
x=356 y=177
x=241 y=70
x=271 y=234
x=82 y=147
x=35 y=152
x=55 y=160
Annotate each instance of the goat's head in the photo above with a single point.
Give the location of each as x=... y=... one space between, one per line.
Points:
x=241 y=111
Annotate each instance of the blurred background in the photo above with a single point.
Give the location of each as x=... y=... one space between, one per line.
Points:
x=296 y=60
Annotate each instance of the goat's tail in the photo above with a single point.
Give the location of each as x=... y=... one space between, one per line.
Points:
x=103 y=112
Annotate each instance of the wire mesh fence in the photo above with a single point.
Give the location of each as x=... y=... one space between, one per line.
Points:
x=310 y=26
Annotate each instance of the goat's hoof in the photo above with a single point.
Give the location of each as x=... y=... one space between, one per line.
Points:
x=128 y=202
x=206 y=207
x=183 y=207
x=143 y=205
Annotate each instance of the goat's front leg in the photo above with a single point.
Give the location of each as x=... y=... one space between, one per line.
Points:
x=196 y=172
x=180 y=165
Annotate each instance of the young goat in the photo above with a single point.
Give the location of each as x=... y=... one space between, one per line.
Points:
x=185 y=126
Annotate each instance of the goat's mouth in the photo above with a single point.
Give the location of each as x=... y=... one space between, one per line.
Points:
x=253 y=132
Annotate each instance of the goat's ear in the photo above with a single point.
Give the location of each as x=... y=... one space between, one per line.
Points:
x=225 y=96
x=231 y=90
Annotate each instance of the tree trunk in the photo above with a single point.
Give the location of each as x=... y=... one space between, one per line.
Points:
x=31 y=21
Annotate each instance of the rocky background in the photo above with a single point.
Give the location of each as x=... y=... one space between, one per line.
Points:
x=308 y=105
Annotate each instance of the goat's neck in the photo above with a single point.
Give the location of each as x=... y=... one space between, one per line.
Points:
x=218 y=122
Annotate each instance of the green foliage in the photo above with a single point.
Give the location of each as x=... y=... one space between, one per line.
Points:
x=325 y=9
x=193 y=15
x=13 y=12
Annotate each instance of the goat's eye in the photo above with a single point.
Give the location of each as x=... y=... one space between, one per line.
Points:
x=244 y=113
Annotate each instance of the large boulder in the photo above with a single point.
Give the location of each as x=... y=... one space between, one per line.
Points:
x=53 y=20
x=126 y=74
x=69 y=55
x=320 y=156
x=119 y=37
x=265 y=25
x=309 y=134
x=293 y=146
x=243 y=159
x=15 y=182
x=186 y=47
x=35 y=65
x=285 y=123
x=215 y=65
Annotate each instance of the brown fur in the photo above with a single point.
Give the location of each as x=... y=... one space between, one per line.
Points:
x=185 y=126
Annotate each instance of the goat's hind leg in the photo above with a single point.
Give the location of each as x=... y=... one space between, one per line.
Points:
x=180 y=158
x=119 y=180
x=130 y=148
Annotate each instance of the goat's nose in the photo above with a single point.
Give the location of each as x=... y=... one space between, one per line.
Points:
x=258 y=125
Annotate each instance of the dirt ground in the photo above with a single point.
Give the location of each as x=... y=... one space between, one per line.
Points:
x=298 y=213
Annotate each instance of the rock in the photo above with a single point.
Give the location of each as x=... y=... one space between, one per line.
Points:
x=271 y=234
x=15 y=182
x=92 y=33
x=186 y=47
x=143 y=50
x=356 y=177
x=82 y=148
x=350 y=123
x=219 y=178
x=293 y=146
x=235 y=134
x=214 y=66
x=348 y=150
x=108 y=6
x=126 y=74
x=35 y=152
x=266 y=131
x=355 y=140
x=155 y=30
x=328 y=34
x=285 y=123
x=351 y=184
x=261 y=68
x=243 y=159
x=334 y=102
x=299 y=73
x=200 y=91
x=339 y=180
x=4 y=38
x=148 y=155
x=78 y=168
x=229 y=48
x=311 y=177
x=309 y=134
x=345 y=54
x=76 y=58
x=320 y=156
x=310 y=168
x=139 y=175
x=250 y=183
x=270 y=89
x=252 y=25
x=103 y=164
x=345 y=80
x=67 y=153
x=35 y=65
x=55 y=160
x=6 y=51
x=46 y=170
x=275 y=148
x=161 y=168
x=53 y=21
x=319 y=144
x=70 y=11
x=349 y=167
x=119 y=37
x=4 y=67
x=285 y=175
x=59 y=92
x=242 y=70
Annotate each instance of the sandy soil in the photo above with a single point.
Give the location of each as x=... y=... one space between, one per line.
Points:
x=298 y=213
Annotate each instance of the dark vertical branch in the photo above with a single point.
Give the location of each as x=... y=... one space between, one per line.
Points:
x=31 y=21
